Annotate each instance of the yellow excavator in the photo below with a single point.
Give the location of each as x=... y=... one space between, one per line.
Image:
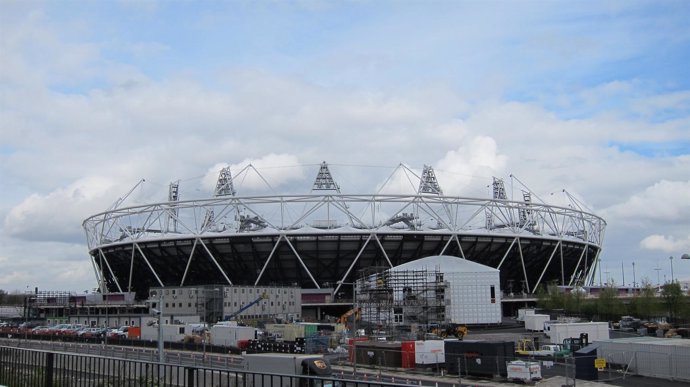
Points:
x=346 y=316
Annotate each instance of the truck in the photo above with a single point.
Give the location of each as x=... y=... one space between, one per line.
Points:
x=527 y=347
x=596 y=331
x=283 y=369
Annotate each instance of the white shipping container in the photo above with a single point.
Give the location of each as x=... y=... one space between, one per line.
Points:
x=429 y=352
x=535 y=322
x=596 y=331
x=522 y=313
x=171 y=332
x=229 y=335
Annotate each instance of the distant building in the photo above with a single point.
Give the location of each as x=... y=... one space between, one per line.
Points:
x=216 y=303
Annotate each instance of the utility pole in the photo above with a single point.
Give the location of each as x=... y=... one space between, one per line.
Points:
x=671 y=258
x=634 y=280
x=599 y=270
x=161 y=347
x=354 y=325
x=658 y=280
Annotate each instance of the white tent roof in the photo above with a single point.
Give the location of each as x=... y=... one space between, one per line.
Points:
x=445 y=264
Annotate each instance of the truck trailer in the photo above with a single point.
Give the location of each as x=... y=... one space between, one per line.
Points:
x=282 y=369
x=595 y=331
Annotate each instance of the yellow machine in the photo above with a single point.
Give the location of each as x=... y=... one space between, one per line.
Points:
x=524 y=347
x=345 y=316
x=459 y=331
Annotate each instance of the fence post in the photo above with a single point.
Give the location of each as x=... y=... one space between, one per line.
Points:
x=459 y=373
x=190 y=376
x=49 y=369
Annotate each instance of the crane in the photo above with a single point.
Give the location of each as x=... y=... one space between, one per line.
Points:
x=263 y=296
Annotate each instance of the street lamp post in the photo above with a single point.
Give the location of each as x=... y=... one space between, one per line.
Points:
x=161 y=346
x=671 y=258
x=599 y=270
x=658 y=280
x=159 y=312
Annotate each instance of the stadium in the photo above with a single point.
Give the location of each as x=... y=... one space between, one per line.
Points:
x=324 y=238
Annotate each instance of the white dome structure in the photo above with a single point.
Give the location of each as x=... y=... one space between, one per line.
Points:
x=445 y=264
x=472 y=294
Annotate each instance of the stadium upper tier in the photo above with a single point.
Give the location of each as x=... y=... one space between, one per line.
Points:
x=323 y=239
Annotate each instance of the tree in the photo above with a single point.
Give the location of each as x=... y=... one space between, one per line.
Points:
x=673 y=298
x=574 y=300
x=550 y=298
x=608 y=304
x=645 y=304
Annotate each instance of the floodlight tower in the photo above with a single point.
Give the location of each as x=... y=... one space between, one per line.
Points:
x=428 y=183
x=173 y=196
x=224 y=186
x=324 y=182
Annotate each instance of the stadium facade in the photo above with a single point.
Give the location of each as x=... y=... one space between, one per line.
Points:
x=324 y=238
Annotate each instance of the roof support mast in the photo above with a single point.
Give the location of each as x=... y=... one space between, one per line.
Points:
x=324 y=182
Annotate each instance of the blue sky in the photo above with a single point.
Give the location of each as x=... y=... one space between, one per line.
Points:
x=589 y=96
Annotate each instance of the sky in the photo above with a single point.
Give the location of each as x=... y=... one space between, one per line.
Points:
x=590 y=97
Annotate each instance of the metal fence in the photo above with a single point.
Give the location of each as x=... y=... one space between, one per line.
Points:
x=22 y=367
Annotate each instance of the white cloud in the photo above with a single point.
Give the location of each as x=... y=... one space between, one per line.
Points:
x=666 y=201
x=477 y=156
x=667 y=244
x=57 y=216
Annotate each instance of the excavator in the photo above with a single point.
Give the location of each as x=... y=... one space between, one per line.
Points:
x=345 y=316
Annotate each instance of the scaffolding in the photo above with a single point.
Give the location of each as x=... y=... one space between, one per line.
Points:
x=411 y=300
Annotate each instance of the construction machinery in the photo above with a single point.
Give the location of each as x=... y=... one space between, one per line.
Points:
x=229 y=317
x=449 y=330
x=345 y=316
x=573 y=344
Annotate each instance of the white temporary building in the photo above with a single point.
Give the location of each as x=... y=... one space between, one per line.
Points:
x=473 y=294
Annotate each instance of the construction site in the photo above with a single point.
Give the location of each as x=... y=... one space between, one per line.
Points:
x=406 y=304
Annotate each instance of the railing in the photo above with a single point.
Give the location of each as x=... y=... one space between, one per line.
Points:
x=21 y=367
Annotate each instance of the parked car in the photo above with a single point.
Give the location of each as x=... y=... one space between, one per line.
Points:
x=55 y=329
x=119 y=333
x=70 y=329
x=92 y=332
x=40 y=330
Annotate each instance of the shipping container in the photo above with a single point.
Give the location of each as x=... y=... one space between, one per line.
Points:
x=408 y=354
x=428 y=352
x=596 y=331
x=535 y=322
x=524 y=312
x=383 y=354
x=478 y=357
x=228 y=335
